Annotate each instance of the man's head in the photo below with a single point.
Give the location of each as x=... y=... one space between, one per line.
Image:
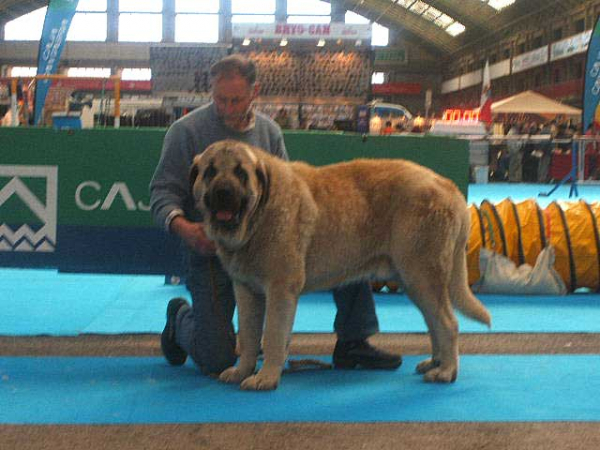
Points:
x=234 y=88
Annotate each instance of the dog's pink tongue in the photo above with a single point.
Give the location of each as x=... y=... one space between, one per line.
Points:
x=224 y=215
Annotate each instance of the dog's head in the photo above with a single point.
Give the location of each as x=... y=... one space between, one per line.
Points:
x=229 y=182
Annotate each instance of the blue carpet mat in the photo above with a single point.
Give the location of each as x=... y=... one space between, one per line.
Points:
x=69 y=390
x=35 y=302
x=47 y=302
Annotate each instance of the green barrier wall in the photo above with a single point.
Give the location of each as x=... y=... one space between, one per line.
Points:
x=89 y=163
x=103 y=177
x=447 y=156
x=104 y=173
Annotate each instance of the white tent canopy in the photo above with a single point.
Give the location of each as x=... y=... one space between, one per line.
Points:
x=530 y=102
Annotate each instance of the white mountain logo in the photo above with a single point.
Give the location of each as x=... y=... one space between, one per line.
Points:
x=24 y=239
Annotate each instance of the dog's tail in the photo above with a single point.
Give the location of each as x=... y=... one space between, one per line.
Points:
x=460 y=292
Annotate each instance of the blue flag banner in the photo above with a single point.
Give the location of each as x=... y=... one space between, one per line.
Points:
x=591 y=93
x=54 y=34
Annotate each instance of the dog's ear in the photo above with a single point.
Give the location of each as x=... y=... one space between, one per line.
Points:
x=262 y=174
x=193 y=175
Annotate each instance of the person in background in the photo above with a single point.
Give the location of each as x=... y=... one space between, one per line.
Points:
x=530 y=158
x=22 y=115
x=564 y=132
x=6 y=120
x=515 y=155
x=204 y=329
x=387 y=129
x=545 y=148
x=282 y=119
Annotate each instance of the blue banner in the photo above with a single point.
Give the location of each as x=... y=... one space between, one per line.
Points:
x=54 y=34
x=591 y=93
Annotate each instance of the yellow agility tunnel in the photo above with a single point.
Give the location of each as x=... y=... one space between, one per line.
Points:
x=520 y=231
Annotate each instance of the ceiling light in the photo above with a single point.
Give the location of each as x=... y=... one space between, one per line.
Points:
x=246 y=41
x=283 y=42
x=321 y=43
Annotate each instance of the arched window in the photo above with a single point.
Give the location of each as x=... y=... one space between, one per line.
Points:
x=499 y=4
x=258 y=11
x=380 y=34
x=428 y=12
x=197 y=21
x=27 y=27
x=99 y=72
x=135 y=74
x=140 y=20
x=308 y=11
x=25 y=72
x=89 y=24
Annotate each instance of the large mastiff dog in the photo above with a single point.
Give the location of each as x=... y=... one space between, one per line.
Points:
x=284 y=228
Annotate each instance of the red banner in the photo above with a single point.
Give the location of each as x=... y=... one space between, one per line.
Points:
x=397 y=88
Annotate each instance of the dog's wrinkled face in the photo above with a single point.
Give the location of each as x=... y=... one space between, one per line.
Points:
x=227 y=182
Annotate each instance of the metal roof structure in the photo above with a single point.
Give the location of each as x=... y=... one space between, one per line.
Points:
x=445 y=26
x=442 y=26
x=11 y=9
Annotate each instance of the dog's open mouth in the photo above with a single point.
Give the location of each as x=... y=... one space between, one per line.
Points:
x=228 y=218
x=227 y=206
x=224 y=216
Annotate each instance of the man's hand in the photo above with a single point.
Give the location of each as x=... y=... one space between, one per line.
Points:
x=193 y=234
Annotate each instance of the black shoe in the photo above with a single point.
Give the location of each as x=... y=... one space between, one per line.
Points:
x=174 y=354
x=352 y=354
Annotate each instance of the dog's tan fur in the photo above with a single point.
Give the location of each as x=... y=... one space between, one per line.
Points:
x=305 y=228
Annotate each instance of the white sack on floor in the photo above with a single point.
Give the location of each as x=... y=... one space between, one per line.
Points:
x=501 y=276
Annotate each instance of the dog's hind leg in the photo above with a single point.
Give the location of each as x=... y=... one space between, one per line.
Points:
x=433 y=299
x=443 y=331
x=251 y=313
x=434 y=361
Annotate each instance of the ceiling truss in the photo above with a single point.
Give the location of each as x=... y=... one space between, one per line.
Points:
x=479 y=19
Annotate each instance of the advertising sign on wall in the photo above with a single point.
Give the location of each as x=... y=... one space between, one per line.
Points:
x=334 y=30
x=79 y=201
x=570 y=46
x=530 y=59
x=31 y=193
x=470 y=79
x=392 y=55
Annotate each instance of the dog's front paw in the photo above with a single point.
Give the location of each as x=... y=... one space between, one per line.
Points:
x=441 y=375
x=260 y=382
x=434 y=372
x=427 y=365
x=233 y=375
